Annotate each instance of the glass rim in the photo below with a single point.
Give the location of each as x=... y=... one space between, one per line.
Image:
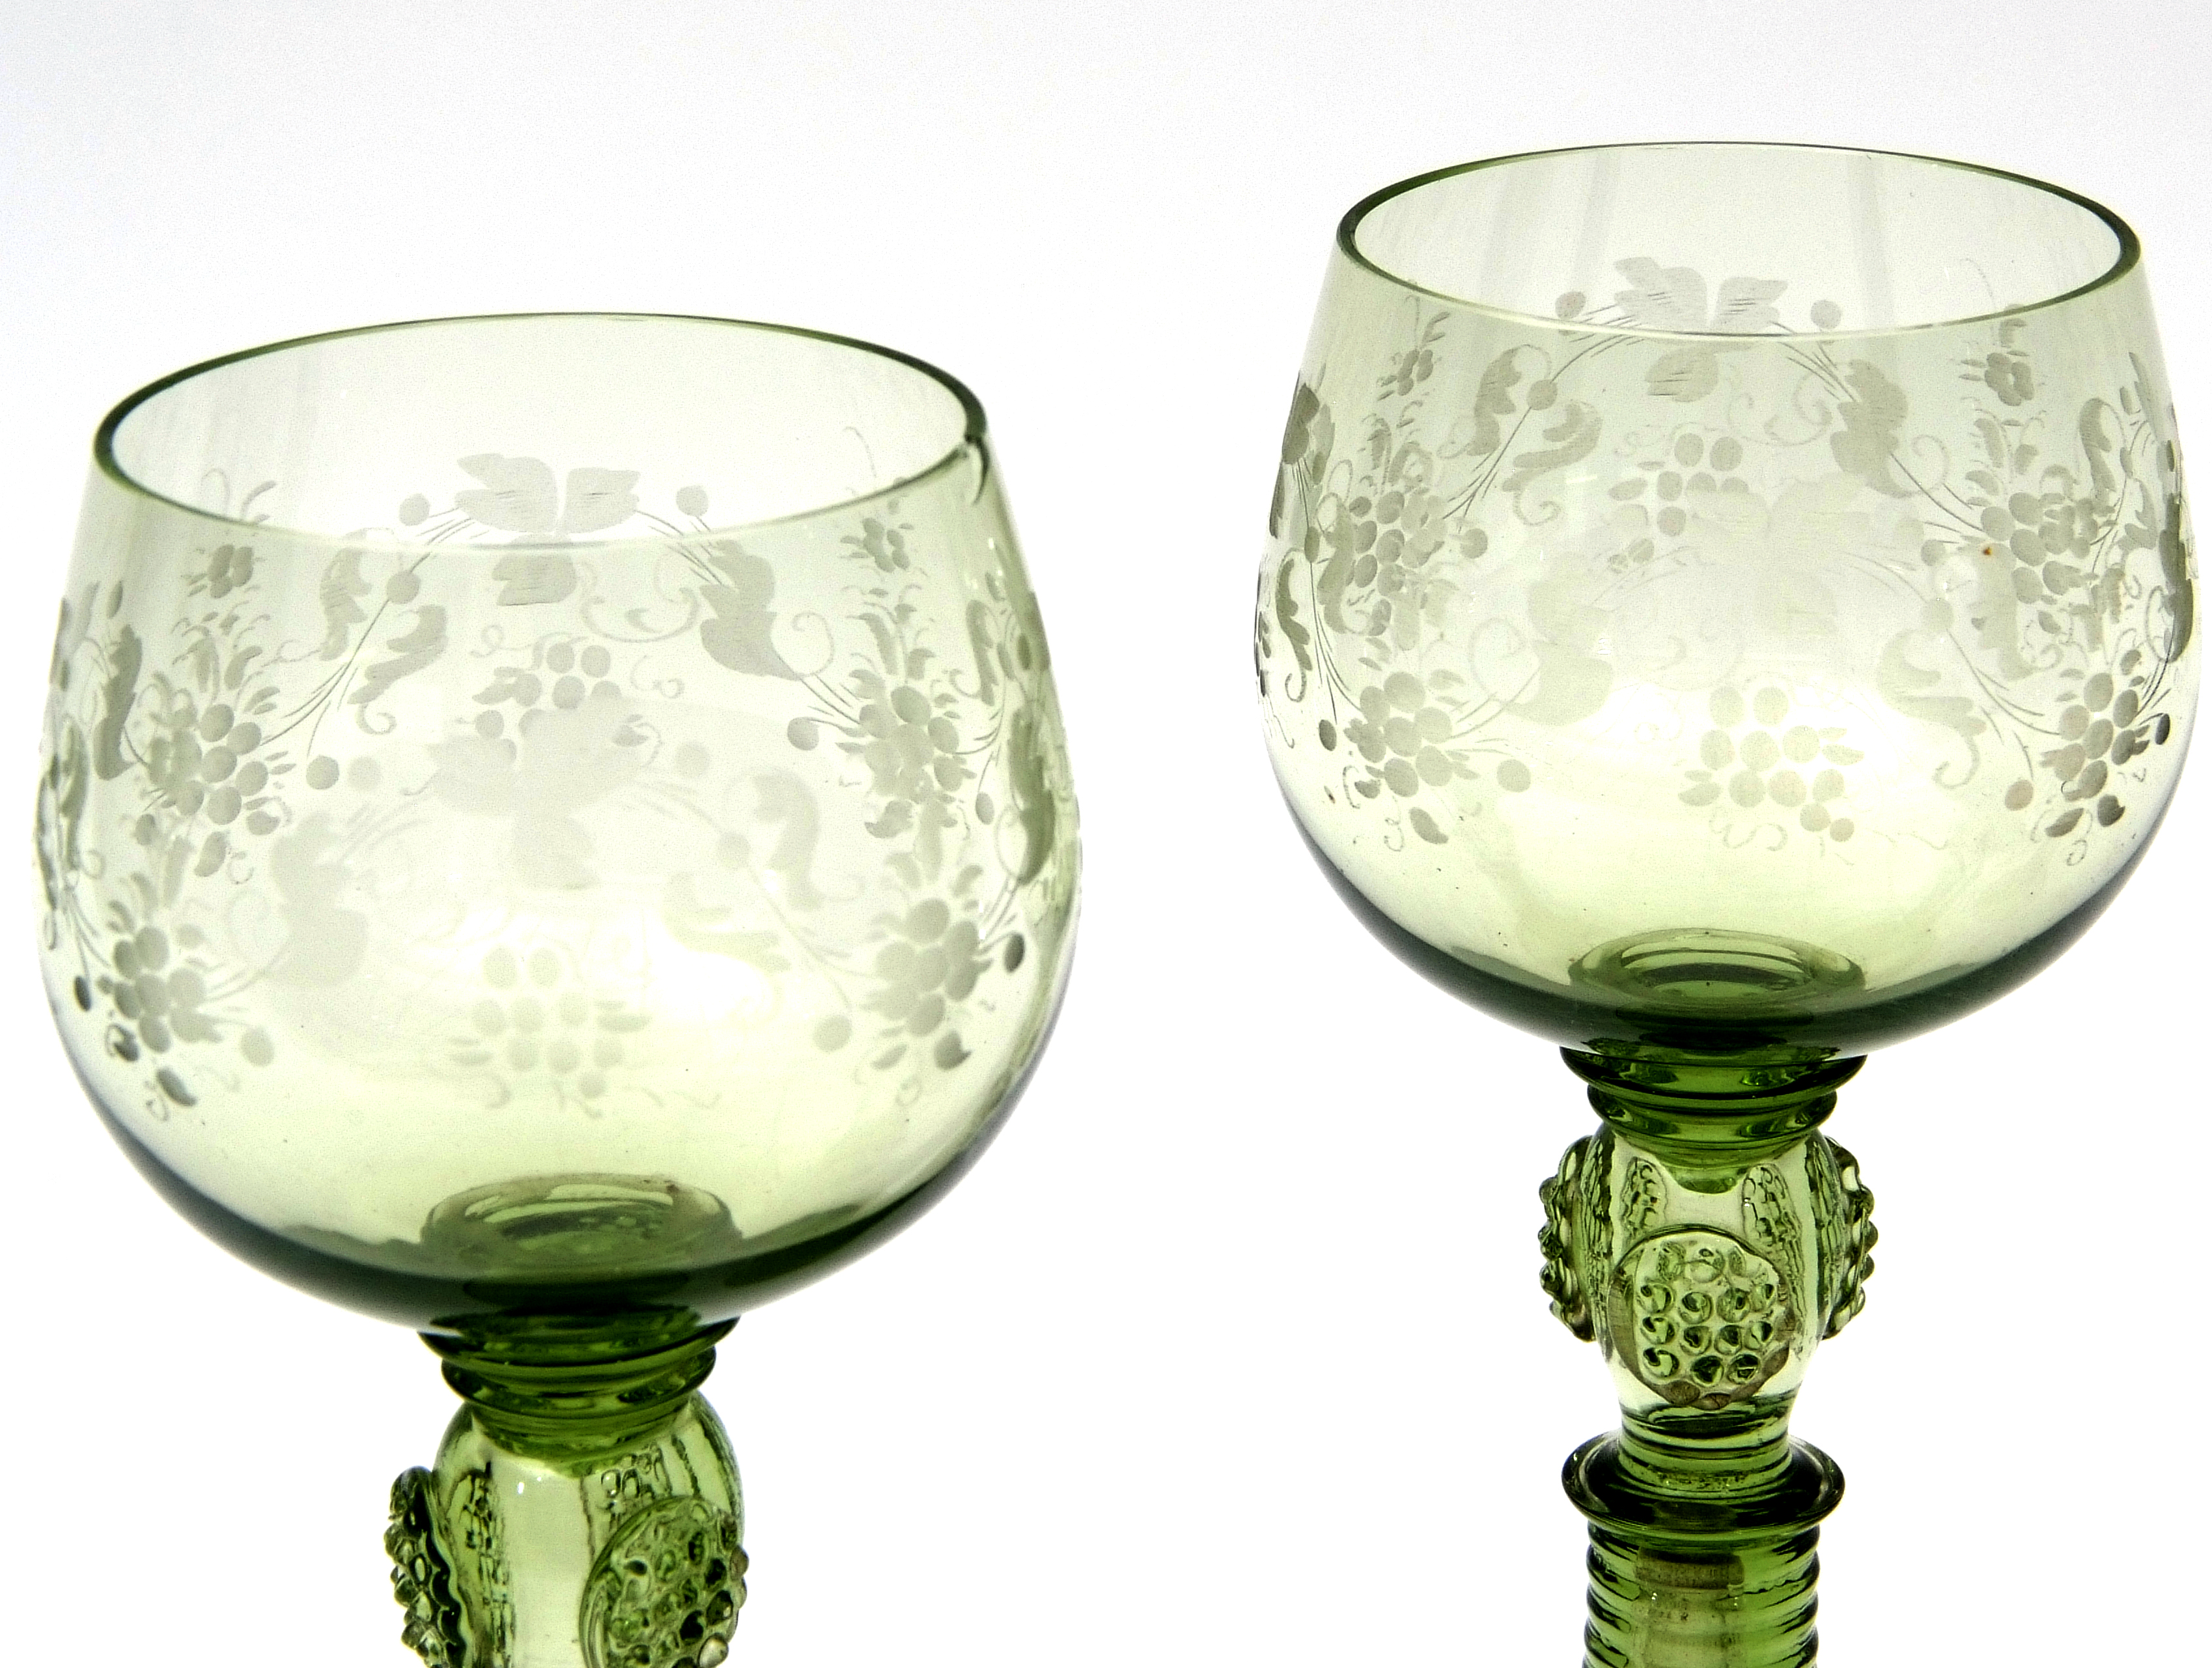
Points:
x=2129 y=258
x=972 y=435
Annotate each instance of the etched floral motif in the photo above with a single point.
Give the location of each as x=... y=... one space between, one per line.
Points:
x=214 y=747
x=932 y=735
x=203 y=735
x=2055 y=578
x=1382 y=538
x=219 y=734
x=1380 y=534
x=2007 y=375
x=2038 y=553
x=1673 y=298
x=557 y=761
x=229 y=566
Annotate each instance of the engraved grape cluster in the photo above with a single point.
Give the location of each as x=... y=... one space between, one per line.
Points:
x=1795 y=767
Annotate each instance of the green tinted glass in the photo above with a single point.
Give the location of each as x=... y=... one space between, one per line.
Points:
x=1725 y=608
x=554 y=831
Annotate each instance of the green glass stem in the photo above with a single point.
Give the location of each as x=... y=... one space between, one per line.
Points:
x=1706 y=1238
x=583 y=1511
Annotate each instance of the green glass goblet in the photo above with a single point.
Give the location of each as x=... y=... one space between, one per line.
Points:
x=555 y=831
x=1726 y=608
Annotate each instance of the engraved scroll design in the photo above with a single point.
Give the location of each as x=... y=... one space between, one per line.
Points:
x=218 y=738
x=2053 y=564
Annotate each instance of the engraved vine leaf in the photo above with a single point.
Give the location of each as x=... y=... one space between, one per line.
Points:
x=1030 y=777
x=1673 y=298
x=1286 y=621
x=123 y=661
x=1873 y=422
x=2175 y=564
x=699 y=925
x=411 y=652
x=341 y=592
x=1574 y=437
x=739 y=633
x=1493 y=400
x=519 y=496
x=1905 y=686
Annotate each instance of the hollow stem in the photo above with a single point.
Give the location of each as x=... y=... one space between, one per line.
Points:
x=583 y=1511
x=1706 y=1238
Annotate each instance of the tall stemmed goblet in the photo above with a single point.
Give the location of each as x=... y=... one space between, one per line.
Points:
x=1727 y=608
x=555 y=831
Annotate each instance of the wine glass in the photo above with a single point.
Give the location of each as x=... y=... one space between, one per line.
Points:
x=555 y=831
x=1726 y=608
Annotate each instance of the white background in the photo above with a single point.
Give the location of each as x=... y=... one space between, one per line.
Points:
x=1231 y=1350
